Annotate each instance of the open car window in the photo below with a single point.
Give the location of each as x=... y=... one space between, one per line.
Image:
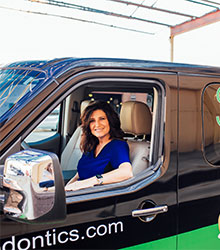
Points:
x=146 y=150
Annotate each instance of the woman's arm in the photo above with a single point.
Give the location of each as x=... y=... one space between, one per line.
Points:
x=122 y=173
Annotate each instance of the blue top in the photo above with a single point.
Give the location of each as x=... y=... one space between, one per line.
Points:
x=110 y=157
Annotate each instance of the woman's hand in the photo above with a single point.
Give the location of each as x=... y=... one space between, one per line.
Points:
x=81 y=184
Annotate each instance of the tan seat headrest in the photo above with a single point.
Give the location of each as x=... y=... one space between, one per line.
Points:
x=135 y=118
x=83 y=105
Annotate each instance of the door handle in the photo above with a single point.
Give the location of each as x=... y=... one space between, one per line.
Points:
x=150 y=211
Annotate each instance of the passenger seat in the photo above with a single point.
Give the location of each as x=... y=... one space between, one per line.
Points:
x=136 y=119
x=72 y=153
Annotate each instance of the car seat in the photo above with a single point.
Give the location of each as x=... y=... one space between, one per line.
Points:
x=136 y=120
x=72 y=153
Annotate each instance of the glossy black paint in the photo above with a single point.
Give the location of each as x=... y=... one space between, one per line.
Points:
x=199 y=192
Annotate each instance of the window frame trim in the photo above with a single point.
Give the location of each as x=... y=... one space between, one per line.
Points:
x=139 y=181
x=203 y=132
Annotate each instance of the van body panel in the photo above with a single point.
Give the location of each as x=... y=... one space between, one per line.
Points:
x=199 y=186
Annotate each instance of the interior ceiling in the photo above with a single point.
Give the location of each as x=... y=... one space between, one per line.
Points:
x=144 y=16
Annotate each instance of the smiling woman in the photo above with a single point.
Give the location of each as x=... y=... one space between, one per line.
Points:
x=105 y=156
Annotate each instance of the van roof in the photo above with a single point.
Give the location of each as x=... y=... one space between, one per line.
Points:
x=59 y=65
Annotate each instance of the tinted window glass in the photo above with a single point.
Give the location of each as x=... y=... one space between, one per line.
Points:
x=211 y=123
x=47 y=128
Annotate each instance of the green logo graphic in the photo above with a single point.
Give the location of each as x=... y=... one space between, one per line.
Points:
x=218 y=95
x=218 y=120
x=219 y=226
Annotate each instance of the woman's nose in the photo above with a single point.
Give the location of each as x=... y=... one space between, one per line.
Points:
x=97 y=123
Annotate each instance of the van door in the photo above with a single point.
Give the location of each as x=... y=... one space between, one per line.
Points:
x=143 y=214
x=140 y=212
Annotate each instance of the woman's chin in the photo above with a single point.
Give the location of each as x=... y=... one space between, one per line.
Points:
x=101 y=136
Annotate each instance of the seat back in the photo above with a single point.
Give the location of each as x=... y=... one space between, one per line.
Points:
x=72 y=153
x=136 y=119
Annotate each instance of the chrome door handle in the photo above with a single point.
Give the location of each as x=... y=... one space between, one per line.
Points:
x=150 y=211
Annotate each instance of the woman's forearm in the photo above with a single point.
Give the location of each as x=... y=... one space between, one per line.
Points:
x=122 y=173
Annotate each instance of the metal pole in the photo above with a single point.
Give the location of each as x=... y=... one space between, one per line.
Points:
x=171 y=48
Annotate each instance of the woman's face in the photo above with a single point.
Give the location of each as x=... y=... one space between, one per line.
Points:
x=99 y=124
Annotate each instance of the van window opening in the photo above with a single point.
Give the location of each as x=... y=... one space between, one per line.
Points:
x=148 y=93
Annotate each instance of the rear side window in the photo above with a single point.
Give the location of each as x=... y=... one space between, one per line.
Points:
x=211 y=123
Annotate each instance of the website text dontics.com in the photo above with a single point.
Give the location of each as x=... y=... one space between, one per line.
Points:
x=52 y=237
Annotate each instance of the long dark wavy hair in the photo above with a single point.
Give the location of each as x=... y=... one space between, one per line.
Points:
x=88 y=140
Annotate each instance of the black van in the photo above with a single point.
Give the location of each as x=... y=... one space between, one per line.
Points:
x=173 y=199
